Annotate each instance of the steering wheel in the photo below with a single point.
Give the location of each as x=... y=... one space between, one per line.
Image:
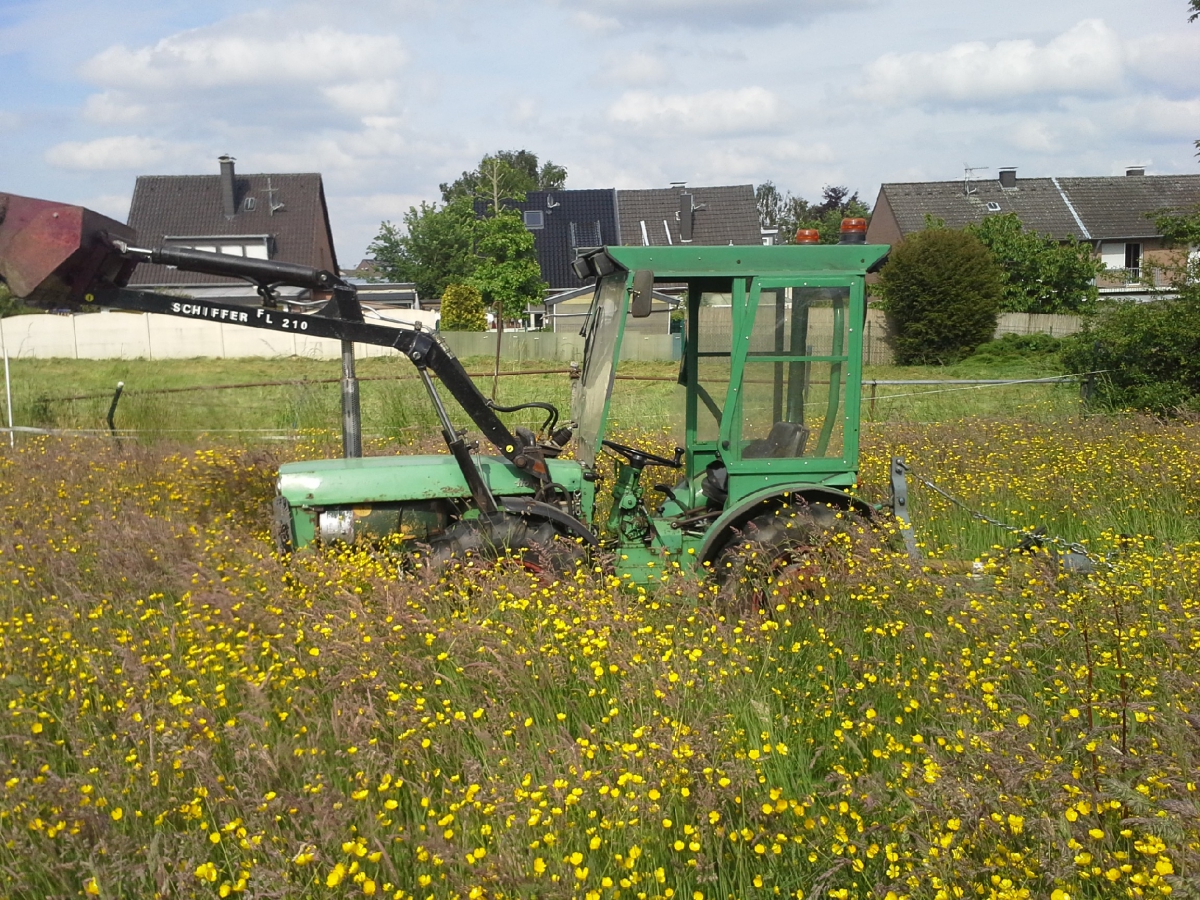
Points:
x=639 y=459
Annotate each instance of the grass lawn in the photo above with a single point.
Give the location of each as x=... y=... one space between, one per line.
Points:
x=188 y=714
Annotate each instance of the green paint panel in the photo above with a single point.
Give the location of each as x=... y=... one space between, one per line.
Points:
x=387 y=479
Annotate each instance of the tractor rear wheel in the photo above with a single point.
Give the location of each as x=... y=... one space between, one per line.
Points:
x=536 y=544
x=783 y=552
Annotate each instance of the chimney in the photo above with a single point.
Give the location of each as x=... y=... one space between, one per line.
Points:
x=686 y=216
x=1008 y=179
x=1135 y=171
x=228 y=197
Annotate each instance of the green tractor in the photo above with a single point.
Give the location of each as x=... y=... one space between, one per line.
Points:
x=771 y=372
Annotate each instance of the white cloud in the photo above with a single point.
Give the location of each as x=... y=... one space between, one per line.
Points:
x=113 y=108
x=115 y=206
x=1171 y=59
x=363 y=98
x=244 y=52
x=1086 y=59
x=132 y=152
x=693 y=13
x=638 y=67
x=1160 y=118
x=745 y=110
x=595 y=24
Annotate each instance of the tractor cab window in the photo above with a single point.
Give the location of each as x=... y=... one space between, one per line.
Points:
x=712 y=334
x=794 y=382
x=601 y=331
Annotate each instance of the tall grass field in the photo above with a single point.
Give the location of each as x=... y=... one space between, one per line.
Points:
x=189 y=714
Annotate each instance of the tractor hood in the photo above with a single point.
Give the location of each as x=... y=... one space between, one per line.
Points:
x=392 y=479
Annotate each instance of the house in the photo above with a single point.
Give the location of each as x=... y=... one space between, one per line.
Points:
x=1115 y=214
x=564 y=223
x=263 y=216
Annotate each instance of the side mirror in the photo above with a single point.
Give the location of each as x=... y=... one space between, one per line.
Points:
x=643 y=293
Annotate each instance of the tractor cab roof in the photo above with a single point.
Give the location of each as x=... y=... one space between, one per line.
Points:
x=689 y=261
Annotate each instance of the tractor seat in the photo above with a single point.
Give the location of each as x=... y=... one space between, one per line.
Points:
x=786 y=440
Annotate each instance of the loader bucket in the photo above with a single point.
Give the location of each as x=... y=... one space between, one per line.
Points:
x=53 y=254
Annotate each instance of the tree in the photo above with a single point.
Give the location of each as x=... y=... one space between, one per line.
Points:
x=9 y=304
x=506 y=270
x=436 y=247
x=462 y=309
x=943 y=289
x=837 y=203
x=1148 y=354
x=1041 y=275
x=789 y=213
x=522 y=174
x=770 y=203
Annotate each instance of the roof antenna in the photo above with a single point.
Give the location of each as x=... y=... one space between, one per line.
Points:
x=968 y=172
x=272 y=205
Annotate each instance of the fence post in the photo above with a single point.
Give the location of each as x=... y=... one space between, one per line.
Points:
x=112 y=408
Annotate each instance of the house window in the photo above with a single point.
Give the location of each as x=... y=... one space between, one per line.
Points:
x=1133 y=259
x=254 y=247
x=535 y=219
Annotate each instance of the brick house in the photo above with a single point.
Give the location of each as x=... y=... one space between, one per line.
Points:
x=1114 y=214
x=276 y=216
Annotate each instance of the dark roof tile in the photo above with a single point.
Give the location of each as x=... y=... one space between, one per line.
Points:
x=570 y=220
x=1125 y=206
x=730 y=216
x=1114 y=207
x=1036 y=201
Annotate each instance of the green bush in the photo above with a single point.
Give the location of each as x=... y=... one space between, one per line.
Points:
x=1150 y=354
x=1041 y=274
x=462 y=309
x=1018 y=347
x=943 y=290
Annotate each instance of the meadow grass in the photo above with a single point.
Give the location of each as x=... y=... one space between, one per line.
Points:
x=190 y=715
x=394 y=405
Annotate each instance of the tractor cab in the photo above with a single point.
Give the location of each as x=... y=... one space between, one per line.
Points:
x=771 y=376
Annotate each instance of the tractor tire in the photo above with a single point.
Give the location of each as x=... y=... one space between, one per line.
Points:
x=536 y=544
x=784 y=552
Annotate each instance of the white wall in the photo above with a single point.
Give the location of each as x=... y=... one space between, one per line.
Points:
x=121 y=335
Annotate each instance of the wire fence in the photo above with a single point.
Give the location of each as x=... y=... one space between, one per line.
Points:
x=634 y=413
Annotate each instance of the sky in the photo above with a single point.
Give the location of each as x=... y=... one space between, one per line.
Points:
x=388 y=98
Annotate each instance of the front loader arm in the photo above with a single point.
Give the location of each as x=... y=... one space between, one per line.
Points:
x=57 y=255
